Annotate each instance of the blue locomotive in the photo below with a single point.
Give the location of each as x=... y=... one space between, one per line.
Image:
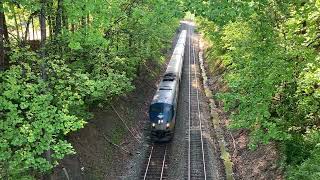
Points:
x=162 y=111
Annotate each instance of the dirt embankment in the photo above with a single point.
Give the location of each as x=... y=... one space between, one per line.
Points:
x=261 y=163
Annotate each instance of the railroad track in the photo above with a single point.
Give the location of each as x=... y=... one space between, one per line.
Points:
x=156 y=164
x=196 y=152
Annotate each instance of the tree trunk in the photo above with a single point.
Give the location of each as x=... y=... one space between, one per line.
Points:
x=27 y=28
x=5 y=30
x=88 y=19
x=43 y=36
x=30 y=20
x=65 y=18
x=51 y=18
x=83 y=19
x=50 y=26
x=15 y=22
x=2 y=61
x=42 y=21
x=33 y=34
x=21 y=27
x=43 y=29
x=58 y=18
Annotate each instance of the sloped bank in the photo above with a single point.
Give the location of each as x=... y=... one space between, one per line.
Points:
x=218 y=131
x=240 y=162
x=98 y=156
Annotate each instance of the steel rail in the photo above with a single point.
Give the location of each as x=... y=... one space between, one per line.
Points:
x=189 y=114
x=199 y=113
x=155 y=162
x=191 y=54
x=163 y=163
x=145 y=174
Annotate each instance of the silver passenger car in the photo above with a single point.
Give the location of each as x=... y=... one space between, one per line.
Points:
x=162 y=112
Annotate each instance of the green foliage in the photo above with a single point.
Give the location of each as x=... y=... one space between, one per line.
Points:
x=269 y=51
x=308 y=93
x=309 y=167
x=36 y=114
x=94 y=58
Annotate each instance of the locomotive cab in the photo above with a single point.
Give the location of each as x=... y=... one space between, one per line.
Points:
x=162 y=121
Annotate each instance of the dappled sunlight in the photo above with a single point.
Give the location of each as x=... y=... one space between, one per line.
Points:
x=194 y=39
x=195 y=84
x=206 y=135
x=193 y=68
x=191 y=23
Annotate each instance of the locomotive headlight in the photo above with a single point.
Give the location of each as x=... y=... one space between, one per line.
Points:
x=162 y=121
x=153 y=124
x=168 y=125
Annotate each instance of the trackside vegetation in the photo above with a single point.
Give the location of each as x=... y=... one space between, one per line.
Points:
x=269 y=50
x=60 y=57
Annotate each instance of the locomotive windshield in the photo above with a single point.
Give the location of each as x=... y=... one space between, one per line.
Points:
x=160 y=111
x=156 y=109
